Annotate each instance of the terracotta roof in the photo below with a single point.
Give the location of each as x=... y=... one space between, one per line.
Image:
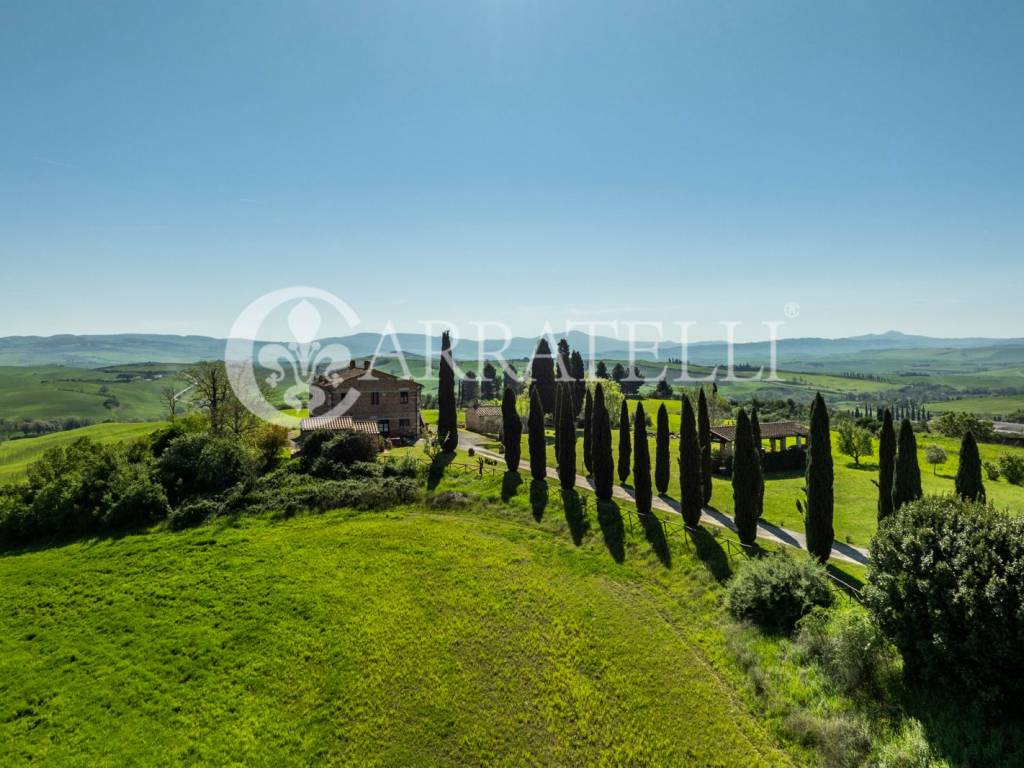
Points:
x=772 y=429
x=357 y=372
x=1008 y=428
x=486 y=410
x=339 y=423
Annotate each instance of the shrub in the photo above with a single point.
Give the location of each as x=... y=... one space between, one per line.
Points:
x=349 y=447
x=946 y=587
x=775 y=592
x=909 y=748
x=1012 y=468
x=991 y=471
x=140 y=502
x=850 y=647
x=199 y=464
x=192 y=514
x=958 y=424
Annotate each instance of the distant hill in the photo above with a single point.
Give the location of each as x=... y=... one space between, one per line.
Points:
x=897 y=349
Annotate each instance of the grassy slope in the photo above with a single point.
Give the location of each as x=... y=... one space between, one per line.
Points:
x=48 y=392
x=410 y=637
x=16 y=455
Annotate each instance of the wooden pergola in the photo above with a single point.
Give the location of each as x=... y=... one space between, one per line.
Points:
x=777 y=433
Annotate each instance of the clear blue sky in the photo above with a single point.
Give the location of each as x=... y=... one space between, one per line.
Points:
x=162 y=164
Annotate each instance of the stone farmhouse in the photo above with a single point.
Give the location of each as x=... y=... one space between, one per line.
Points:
x=386 y=404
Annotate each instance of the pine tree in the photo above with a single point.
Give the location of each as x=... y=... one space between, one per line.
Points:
x=624 y=448
x=542 y=371
x=906 y=481
x=819 y=504
x=747 y=480
x=691 y=497
x=886 y=465
x=535 y=437
x=968 y=475
x=588 y=432
x=704 y=437
x=447 y=416
x=511 y=430
x=662 y=471
x=604 y=465
x=641 y=462
x=567 y=441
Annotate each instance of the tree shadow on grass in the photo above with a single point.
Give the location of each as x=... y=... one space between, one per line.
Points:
x=538 y=498
x=575 y=514
x=610 y=519
x=711 y=553
x=654 y=532
x=845 y=577
x=435 y=472
x=510 y=483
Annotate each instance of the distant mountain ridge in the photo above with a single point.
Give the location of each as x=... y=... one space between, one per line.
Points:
x=95 y=351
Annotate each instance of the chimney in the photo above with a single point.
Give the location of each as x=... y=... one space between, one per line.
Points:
x=366 y=365
x=352 y=363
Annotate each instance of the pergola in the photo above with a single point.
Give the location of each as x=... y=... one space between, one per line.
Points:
x=777 y=433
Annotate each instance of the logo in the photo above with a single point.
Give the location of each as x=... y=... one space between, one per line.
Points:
x=263 y=374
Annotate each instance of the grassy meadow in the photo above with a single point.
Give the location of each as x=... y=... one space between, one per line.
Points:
x=501 y=632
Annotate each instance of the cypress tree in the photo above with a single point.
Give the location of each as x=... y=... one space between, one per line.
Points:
x=579 y=374
x=542 y=371
x=556 y=417
x=662 y=471
x=447 y=417
x=624 y=447
x=511 y=430
x=746 y=480
x=604 y=465
x=704 y=437
x=691 y=497
x=886 y=465
x=535 y=436
x=641 y=462
x=906 y=480
x=968 y=475
x=755 y=429
x=588 y=432
x=820 y=502
x=567 y=441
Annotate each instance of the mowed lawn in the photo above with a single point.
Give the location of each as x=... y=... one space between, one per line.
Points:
x=477 y=635
x=16 y=455
x=856 y=497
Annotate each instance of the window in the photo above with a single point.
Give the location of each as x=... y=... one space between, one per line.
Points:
x=403 y=423
x=403 y=396
x=384 y=426
x=375 y=398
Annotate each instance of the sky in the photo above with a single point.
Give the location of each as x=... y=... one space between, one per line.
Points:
x=842 y=167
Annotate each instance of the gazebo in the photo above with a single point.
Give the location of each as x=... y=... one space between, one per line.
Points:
x=777 y=433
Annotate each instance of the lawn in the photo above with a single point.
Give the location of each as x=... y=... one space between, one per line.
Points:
x=16 y=455
x=497 y=633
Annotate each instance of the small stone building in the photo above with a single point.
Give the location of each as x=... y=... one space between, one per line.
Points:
x=777 y=433
x=390 y=403
x=485 y=419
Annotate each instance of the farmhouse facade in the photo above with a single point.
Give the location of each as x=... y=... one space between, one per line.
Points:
x=383 y=402
x=485 y=419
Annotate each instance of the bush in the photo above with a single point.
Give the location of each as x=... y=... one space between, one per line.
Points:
x=792 y=459
x=850 y=647
x=140 y=502
x=909 y=748
x=991 y=470
x=201 y=464
x=776 y=591
x=192 y=514
x=946 y=585
x=1012 y=468
x=958 y=424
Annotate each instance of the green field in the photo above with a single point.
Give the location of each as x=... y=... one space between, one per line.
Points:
x=16 y=455
x=53 y=392
x=443 y=637
x=992 y=406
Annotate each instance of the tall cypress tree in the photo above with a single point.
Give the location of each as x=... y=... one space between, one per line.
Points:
x=579 y=374
x=704 y=437
x=755 y=429
x=588 y=432
x=691 y=496
x=535 y=436
x=624 y=448
x=746 y=480
x=567 y=440
x=886 y=465
x=556 y=416
x=641 y=462
x=662 y=471
x=542 y=371
x=447 y=417
x=604 y=465
x=820 y=501
x=968 y=475
x=511 y=430
x=906 y=480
